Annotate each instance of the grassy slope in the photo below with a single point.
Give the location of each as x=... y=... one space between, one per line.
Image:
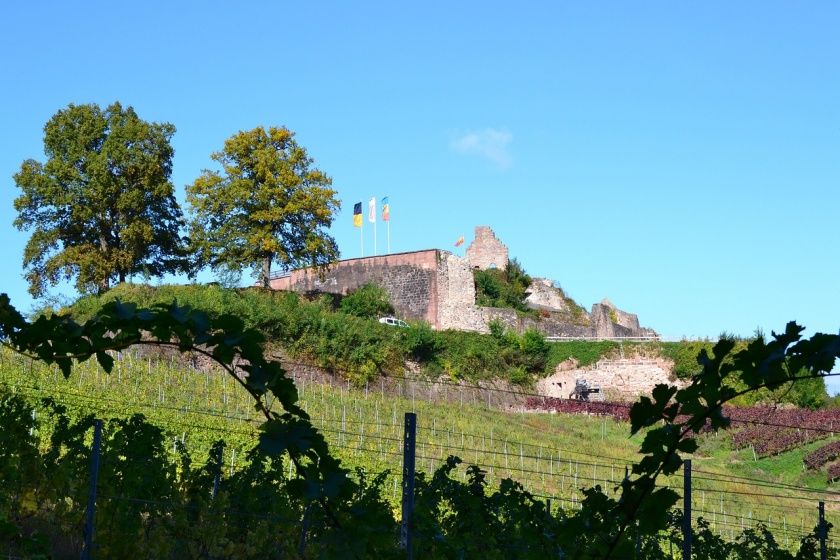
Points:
x=340 y=342
x=550 y=454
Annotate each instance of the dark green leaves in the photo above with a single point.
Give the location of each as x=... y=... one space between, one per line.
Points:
x=647 y=412
x=105 y=360
x=118 y=325
x=267 y=205
x=102 y=206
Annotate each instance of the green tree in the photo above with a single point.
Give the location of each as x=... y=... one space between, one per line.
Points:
x=268 y=204
x=502 y=288
x=370 y=301
x=102 y=206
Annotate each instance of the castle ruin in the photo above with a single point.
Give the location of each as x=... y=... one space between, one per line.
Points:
x=437 y=286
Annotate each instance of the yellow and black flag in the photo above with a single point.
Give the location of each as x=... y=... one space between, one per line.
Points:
x=357 y=214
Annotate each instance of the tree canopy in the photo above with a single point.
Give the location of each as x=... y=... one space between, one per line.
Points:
x=269 y=204
x=102 y=206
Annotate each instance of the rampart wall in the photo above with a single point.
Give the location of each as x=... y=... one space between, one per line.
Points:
x=619 y=379
x=438 y=287
x=409 y=278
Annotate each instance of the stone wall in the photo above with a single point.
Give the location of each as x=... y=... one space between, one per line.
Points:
x=456 y=295
x=486 y=251
x=409 y=278
x=438 y=287
x=623 y=379
x=542 y=294
x=609 y=321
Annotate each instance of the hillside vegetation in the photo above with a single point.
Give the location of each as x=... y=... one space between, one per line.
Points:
x=551 y=455
x=343 y=336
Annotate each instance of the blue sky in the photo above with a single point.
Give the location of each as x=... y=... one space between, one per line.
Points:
x=680 y=158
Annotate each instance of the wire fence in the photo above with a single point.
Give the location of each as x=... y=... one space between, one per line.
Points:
x=729 y=502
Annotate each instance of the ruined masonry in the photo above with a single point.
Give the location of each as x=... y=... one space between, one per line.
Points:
x=437 y=286
x=619 y=379
x=486 y=251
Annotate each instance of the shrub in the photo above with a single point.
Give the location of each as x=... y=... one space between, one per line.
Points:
x=488 y=287
x=497 y=329
x=823 y=455
x=518 y=375
x=421 y=342
x=502 y=288
x=534 y=349
x=370 y=301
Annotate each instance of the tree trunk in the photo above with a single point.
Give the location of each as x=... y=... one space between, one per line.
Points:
x=104 y=283
x=266 y=272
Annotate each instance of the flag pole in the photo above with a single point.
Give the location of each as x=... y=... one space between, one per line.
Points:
x=362 y=236
x=374 y=238
x=389 y=235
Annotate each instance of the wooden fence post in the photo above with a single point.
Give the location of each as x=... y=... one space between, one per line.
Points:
x=687 y=509
x=823 y=551
x=409 y=441
x=217 y=476
x=94 y=477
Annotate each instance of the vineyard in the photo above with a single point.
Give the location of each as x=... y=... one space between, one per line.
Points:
x=552 y=455
x=764 y=430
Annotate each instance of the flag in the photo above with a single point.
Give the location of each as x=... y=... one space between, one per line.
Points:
x=372 y=210
x=357 y=214
x=386 y=210
x=460 y=241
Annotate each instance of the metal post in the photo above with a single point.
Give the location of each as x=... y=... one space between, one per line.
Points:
x=409 y=440
x=687 y=509
x=304 y=528
x=823 y=552
x=638 y=541
x=94 y=477
x=217 y=477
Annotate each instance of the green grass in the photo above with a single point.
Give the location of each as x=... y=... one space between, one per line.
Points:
x=361 y=348
x=550 y=454
x=584 y=351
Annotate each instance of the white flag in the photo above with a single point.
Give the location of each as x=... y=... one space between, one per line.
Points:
x=372 y=210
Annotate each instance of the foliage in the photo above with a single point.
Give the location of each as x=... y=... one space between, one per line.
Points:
x=472 y=355
x=102 y=206
x=684 y=355
x=502 y=288
x=62 y=341
x=360 y=348
x=269 y=204
x=678 y=413
x=586 y=352
x=805 y=393
x=823 y=455
x=158 y=504
x=337 y=341
x=370 y=301
x=421 y=342
x=601 y=528
x=534 y=348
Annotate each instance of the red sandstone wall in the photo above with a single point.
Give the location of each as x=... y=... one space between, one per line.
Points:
x=409 y=278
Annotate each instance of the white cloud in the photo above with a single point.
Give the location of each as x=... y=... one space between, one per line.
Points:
x=489 y=143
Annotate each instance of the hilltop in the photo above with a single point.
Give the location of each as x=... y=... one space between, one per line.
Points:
x=468 y=293
x=325 y=332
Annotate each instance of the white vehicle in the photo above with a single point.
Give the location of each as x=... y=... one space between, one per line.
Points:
x=394 y=322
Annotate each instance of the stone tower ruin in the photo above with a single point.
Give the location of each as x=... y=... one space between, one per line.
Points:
x=486 y=251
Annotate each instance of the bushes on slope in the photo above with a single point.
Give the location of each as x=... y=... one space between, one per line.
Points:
x=359 y=348
x=369 y=301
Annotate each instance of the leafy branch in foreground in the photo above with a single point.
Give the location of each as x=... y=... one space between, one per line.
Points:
x=62 y=341
x=670 y=418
